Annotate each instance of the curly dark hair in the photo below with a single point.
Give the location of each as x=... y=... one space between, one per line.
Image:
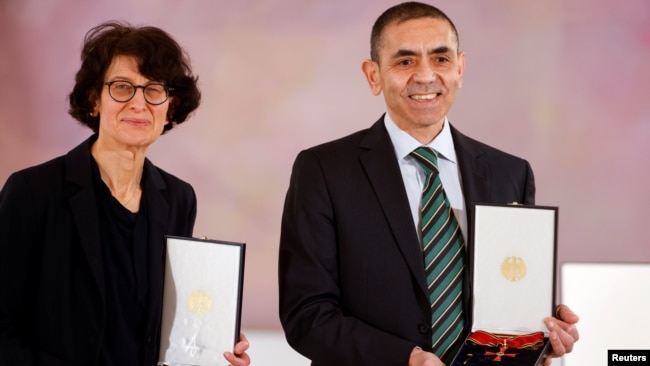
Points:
x=160 y=58
x=402 y=13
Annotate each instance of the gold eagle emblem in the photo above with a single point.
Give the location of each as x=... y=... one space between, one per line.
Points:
x=513 y=269
x=199 y=302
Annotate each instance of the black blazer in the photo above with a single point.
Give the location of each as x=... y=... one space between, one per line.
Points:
x=351 y=276
x=52 y=298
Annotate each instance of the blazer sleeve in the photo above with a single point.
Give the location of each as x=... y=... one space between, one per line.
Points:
x=311 y=314
x=529 y=190
x=19 y=229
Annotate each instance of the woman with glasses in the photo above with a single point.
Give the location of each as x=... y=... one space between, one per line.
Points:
x=82 y=236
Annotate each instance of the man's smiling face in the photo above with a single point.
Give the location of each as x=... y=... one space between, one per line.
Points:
x=419 y=72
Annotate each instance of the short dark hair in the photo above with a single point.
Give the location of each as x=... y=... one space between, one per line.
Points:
x=159 y=57
x=399 y=14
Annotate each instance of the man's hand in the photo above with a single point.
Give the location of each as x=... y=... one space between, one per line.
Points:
x=239 y=357
x=422 y=358
x=562 y=332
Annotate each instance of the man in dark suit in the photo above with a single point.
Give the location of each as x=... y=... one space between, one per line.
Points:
x=353 y=289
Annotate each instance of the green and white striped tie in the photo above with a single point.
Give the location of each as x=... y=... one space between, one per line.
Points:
x=442 y=244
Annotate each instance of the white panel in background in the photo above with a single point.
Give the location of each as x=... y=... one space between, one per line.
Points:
x=612 y=301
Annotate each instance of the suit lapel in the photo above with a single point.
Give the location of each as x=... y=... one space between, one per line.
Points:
x=83 y=204
x=158 y=213
x=476 y=186
x=473 y=170
x=379 y=161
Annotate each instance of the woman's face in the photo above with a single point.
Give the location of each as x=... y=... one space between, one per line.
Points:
x=134 y=123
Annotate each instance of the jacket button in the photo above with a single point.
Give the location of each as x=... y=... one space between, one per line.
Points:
x=424 y=328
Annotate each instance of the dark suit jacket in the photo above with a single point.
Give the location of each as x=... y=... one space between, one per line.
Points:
x=351 y=276
x=52 y=298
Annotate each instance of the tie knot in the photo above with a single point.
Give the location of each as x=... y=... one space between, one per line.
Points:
x=427 y=158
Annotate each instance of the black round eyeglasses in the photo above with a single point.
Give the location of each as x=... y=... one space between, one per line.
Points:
x=123 y=91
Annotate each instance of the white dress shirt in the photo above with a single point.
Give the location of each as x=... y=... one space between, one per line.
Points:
x=413 y=175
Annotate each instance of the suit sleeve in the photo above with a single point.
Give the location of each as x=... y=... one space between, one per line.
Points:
x=529 y=186
x=18 y=232
x=311 y=311
x=191 y=212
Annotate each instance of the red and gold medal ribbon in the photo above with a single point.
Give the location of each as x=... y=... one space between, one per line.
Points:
x=524 y=341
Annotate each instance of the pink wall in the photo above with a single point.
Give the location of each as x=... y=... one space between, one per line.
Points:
x=563 y=83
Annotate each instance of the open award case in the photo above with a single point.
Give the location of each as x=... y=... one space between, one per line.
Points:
x=513 y=285
x=201 y=302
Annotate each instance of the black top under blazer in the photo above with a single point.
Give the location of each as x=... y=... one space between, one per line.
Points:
x=352 y=282
x=52 y=297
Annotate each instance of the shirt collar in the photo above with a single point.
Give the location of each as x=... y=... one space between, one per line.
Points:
x=404 y=143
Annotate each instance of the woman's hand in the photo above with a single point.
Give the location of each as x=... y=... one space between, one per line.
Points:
x=239 y=357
